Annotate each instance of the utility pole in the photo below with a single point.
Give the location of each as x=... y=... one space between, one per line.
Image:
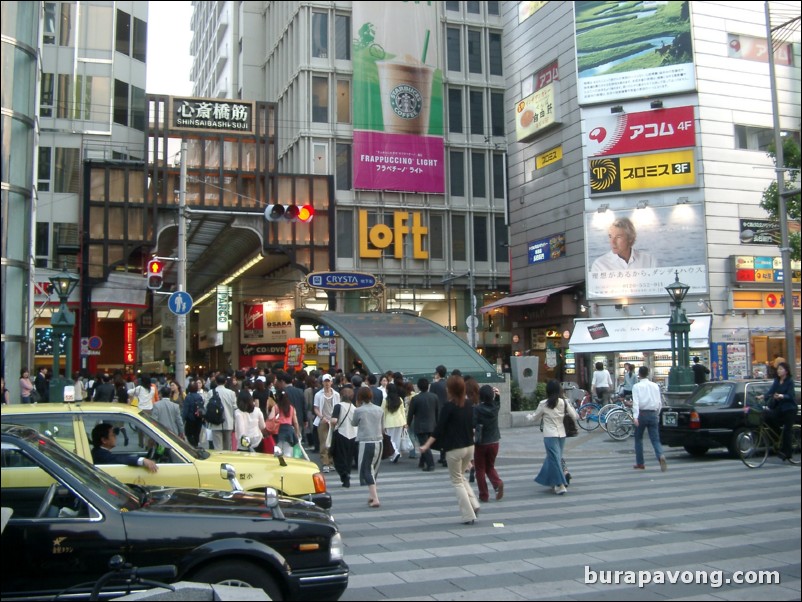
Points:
x=181 y=320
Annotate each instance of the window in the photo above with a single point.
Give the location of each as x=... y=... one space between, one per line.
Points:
x=120 y=102
x=473 y=8
x=436 y=237
x=455 y=110
x=320 y=159
x=49 y=26
x=480 y=238
x=343 y=166
x=753 y=138
x=497 y=113
x=96 y=23
x=493 y=7
x=43 y=181
x=64 y=106
x=474 y=51
x=137 y=108
x=320 y=99
x=477 y=112
x=457 y=173
x=123 y=37
x=343 y=101
x=494 y=51
x=42 y=247
x=478 y=184
x=452 y=6
x=345 y=234
x=502 y=250
x=66 y=167
x=140 y=40
x=453 y=49
x=458 y=242
x=499 y=179
x=320 y=35
x=342 y=37
x=46 y=98
x=66 y=28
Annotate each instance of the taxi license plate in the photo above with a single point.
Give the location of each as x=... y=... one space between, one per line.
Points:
x=669 y=419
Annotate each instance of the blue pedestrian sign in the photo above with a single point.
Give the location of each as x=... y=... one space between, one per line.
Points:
x=180 y=303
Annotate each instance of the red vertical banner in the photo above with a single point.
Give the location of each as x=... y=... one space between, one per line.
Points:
x=129 y=351
x=294 y=355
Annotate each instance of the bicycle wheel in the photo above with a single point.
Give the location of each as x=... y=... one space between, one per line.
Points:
x=752 y=447
x=605 y=411
x=620 y=425
x=796 y=445
x=589 y=416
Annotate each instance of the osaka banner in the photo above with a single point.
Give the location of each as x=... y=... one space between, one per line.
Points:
x=398 y=97
x=635 y=252
x=633 y=50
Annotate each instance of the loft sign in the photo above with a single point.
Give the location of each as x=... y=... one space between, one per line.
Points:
x=341 y=281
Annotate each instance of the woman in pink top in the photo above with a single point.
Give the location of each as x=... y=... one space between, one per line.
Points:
x=25 y=385
x=289 y=432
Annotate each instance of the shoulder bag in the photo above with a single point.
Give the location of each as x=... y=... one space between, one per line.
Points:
x=571 y=427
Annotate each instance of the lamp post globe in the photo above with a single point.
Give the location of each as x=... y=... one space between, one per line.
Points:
x=680 y=377
x=62 y=321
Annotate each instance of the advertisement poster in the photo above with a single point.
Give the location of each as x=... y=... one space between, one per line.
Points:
x=633 y=173
x=536 y=112
x=294 y=355
x=398 y=98
x=627 y=133
x=634 y=252
x=267 y=323
x=253 y=316
x=616 y=61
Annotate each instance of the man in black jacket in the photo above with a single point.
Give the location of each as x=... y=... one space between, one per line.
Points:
x=105 y=390
x=438 y=387
x=104 y=439
x=424 y=410
x=41 y=385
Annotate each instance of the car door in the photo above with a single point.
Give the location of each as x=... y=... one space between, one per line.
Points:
x=46 y=548
x=139 y=438
x=60 y=426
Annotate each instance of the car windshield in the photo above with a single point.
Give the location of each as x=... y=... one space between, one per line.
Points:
x=104 y=485
x=712 y=394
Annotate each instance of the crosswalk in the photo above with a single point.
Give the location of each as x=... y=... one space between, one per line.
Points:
x=699 y=516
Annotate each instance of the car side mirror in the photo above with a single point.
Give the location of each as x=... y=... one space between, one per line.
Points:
x=245 y=443
x=279 y=455
x=227 y=472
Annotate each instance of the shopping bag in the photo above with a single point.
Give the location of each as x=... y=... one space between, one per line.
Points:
x=298 y=451
x=406 y=442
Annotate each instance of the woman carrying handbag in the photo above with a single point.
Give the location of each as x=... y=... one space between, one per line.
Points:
x=551 y=412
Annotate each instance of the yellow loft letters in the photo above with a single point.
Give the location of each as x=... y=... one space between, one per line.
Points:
x=380 y=236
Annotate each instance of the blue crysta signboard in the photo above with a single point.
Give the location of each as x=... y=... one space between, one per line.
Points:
x=341 y=281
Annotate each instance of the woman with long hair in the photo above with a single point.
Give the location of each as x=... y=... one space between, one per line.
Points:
x=550 y=413
x=395 y=418
x=369 y=420
x=783 y=404
x=289 y=432
x=248 y=421
x=485 y=417
x=343 y=445
x=454 y=434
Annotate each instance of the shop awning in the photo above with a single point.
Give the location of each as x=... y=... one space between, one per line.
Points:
x=121 y=290
x=634 y=334
x=532 y=298
x=402 y=342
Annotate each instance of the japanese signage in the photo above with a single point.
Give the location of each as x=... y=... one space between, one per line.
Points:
x=211 y=115
x=763 y=299
x=339 y=281
x=757 y=49
x=541 y=79
x=728 y=360
x=619 y=334
x=223 y=307
x=129 y=343
x=632 y=50
x=546 y=248
x=762 y=270
x=398 y=97
x=536 y=112
x=269 y=322
x=294 y=355
x=549 y=157
x=632 y=173
x=643 y=268
x=374 y=239
x=760 y=232
x=640 y=132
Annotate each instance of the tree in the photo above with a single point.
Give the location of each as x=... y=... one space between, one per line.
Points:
x=771 y=200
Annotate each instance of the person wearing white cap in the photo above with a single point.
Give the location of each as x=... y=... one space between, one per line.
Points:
x=325 y=400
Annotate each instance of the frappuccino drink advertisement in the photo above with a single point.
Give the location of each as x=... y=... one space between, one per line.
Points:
x=398 y=98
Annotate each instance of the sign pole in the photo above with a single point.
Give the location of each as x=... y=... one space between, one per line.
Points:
x=181 y=319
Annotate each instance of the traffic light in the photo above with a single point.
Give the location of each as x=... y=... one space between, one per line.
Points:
x=155 y=274
x=289 y=213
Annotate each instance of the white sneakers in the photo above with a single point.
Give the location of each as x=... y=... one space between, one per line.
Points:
x=560 y=489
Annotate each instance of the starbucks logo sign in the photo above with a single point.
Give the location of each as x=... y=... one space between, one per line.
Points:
x=406 y=101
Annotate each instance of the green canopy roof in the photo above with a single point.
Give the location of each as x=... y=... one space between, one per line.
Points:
x=403 y=343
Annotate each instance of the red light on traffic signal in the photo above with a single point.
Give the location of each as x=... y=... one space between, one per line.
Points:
x=155 y=274
x=155 y=266
x=306 y=213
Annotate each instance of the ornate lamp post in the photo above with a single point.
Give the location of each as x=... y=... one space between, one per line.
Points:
x=63 y=323
x=680 y=377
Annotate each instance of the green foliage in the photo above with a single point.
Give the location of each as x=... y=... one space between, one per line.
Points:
x=771 y=199
x=526 y=403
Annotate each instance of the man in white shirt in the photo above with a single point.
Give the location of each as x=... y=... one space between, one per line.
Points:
x=646 y=404
x=221 y=433
x=621 y=255
x=324 y=403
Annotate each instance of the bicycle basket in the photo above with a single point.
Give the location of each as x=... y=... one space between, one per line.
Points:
x=754 y=417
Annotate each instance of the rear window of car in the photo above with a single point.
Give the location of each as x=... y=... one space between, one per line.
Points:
x=709 y=395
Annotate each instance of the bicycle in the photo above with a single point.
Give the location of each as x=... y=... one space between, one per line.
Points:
x=620 y=424
x=619 y=402
x=755 y=443
x=589 y=415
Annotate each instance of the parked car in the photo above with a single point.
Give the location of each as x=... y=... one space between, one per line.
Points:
x=68 y=519
x=180 y=465
x=712 y=416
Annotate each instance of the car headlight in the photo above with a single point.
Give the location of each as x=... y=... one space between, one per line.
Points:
x=336 y=549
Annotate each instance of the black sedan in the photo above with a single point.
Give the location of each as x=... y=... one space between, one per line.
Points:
x=68 y=519
x=712 y=416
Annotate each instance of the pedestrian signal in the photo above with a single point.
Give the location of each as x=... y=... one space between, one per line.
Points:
x=155 y=274
x=289 y=213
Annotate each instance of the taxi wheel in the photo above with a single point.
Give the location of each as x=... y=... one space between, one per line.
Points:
x=239 y=574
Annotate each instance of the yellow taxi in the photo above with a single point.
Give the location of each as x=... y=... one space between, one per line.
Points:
x=180 y=465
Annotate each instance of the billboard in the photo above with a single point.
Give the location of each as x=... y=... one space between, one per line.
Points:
x=627 y=133
x=398 y=98
x=635 y=252
x=633 y=173
x=616 y=60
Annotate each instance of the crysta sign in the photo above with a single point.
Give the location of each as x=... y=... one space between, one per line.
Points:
x=341 y=281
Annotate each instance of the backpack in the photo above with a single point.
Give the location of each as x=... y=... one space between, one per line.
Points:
x=214 y=413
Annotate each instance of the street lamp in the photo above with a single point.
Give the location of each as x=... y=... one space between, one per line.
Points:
x=680 y=377
x=62 y=321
